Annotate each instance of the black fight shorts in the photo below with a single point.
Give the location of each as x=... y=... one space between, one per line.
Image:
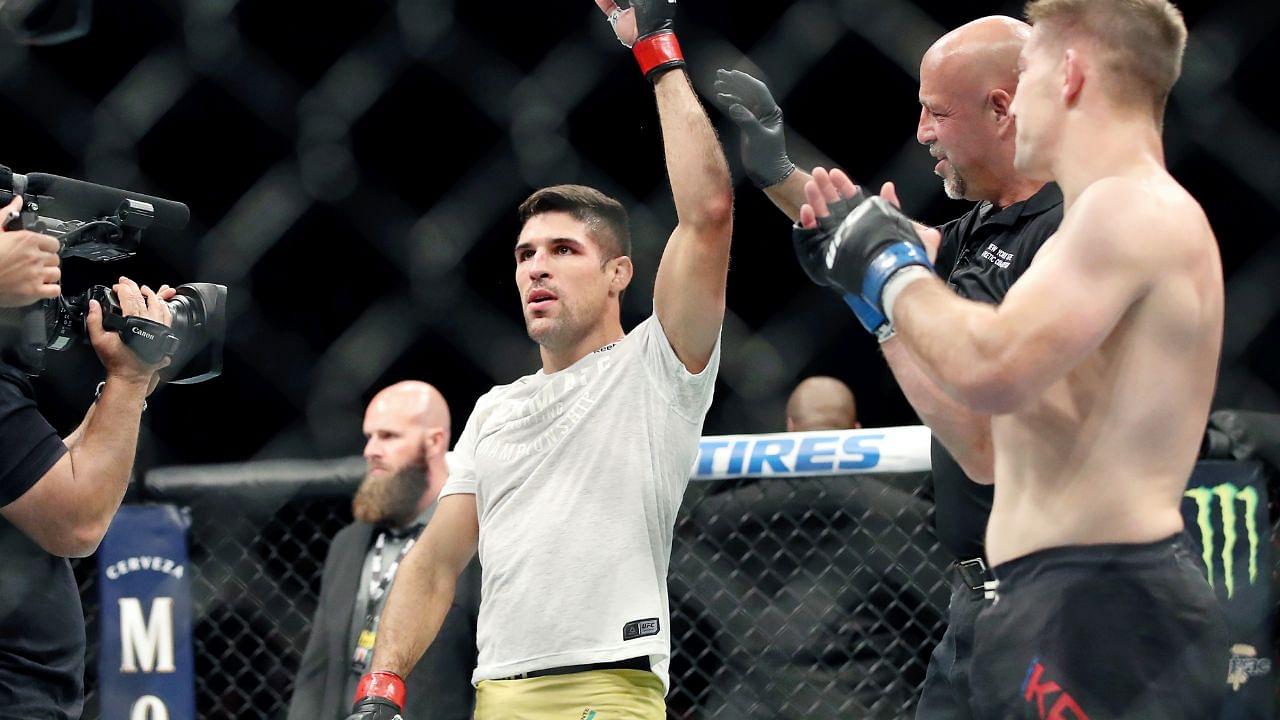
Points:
x=1101 y=632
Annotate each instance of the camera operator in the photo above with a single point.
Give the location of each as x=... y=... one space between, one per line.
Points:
x=28 y=263
x=57 y=498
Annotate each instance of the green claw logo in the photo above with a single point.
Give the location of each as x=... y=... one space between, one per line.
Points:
x=1227 y=496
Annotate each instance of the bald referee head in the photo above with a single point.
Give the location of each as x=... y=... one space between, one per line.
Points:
x=967 y=83
x=821 y=403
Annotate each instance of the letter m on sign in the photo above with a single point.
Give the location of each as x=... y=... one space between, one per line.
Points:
x=146 y=645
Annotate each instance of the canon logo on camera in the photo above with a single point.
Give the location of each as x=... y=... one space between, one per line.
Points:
x=139 y=331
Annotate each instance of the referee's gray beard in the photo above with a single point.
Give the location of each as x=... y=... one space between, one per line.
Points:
x=954 y=184
x=392 y=499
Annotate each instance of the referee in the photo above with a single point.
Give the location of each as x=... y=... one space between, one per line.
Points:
x=967 y=81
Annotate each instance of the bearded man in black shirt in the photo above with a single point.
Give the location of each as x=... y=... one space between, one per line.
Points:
x=967 y=81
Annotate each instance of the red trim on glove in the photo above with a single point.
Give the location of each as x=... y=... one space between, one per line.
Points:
x=383 y=685
x=658 y=52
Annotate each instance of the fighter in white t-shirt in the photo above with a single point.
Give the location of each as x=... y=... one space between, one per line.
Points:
x=568 y=480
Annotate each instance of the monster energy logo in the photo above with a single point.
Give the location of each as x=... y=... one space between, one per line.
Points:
x=1227 y=496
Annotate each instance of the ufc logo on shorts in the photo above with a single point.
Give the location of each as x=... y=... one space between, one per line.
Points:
x=1046 y=693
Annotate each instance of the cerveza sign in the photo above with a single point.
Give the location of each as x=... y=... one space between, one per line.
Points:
x=146 y=669
x=842 y=452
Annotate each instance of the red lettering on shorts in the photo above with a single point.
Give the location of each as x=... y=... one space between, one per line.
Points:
x=1066 y=702
x=1037 y=688
x=1033 y=688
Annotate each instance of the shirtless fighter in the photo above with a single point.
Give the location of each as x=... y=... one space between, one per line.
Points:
x=1098 y=369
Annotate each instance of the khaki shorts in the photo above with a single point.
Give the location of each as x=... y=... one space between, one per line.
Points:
x=592 y=695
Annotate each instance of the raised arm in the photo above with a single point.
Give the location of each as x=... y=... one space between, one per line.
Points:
x=689 y=292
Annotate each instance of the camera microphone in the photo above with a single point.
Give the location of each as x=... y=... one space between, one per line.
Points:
x=66 y=198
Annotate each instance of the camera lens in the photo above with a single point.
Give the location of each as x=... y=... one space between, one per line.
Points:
x=200 y=322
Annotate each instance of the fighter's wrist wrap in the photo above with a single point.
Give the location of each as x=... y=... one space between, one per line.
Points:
x=888 y=262
x=657 y=53
x=381 y=684
x=872 y=319
x=898 y=282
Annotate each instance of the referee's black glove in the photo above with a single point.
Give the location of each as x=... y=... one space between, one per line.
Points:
x=752 y=108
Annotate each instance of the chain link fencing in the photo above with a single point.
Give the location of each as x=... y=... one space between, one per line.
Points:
x=805 y=598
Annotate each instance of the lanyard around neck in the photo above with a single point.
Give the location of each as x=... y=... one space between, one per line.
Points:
x=380 y=581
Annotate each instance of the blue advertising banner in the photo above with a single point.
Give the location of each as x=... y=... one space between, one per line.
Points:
x=811 y=454
x=1225 y=510
x=145 y=666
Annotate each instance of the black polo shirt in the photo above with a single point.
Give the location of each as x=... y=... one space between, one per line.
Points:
x=42 y=638
x=982 y=254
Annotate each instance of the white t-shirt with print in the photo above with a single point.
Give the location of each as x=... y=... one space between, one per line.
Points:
x=578 y=476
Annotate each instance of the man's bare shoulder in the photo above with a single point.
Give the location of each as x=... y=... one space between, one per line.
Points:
x=1137 y=217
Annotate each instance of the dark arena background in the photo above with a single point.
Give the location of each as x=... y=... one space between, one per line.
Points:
x=353 y=171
